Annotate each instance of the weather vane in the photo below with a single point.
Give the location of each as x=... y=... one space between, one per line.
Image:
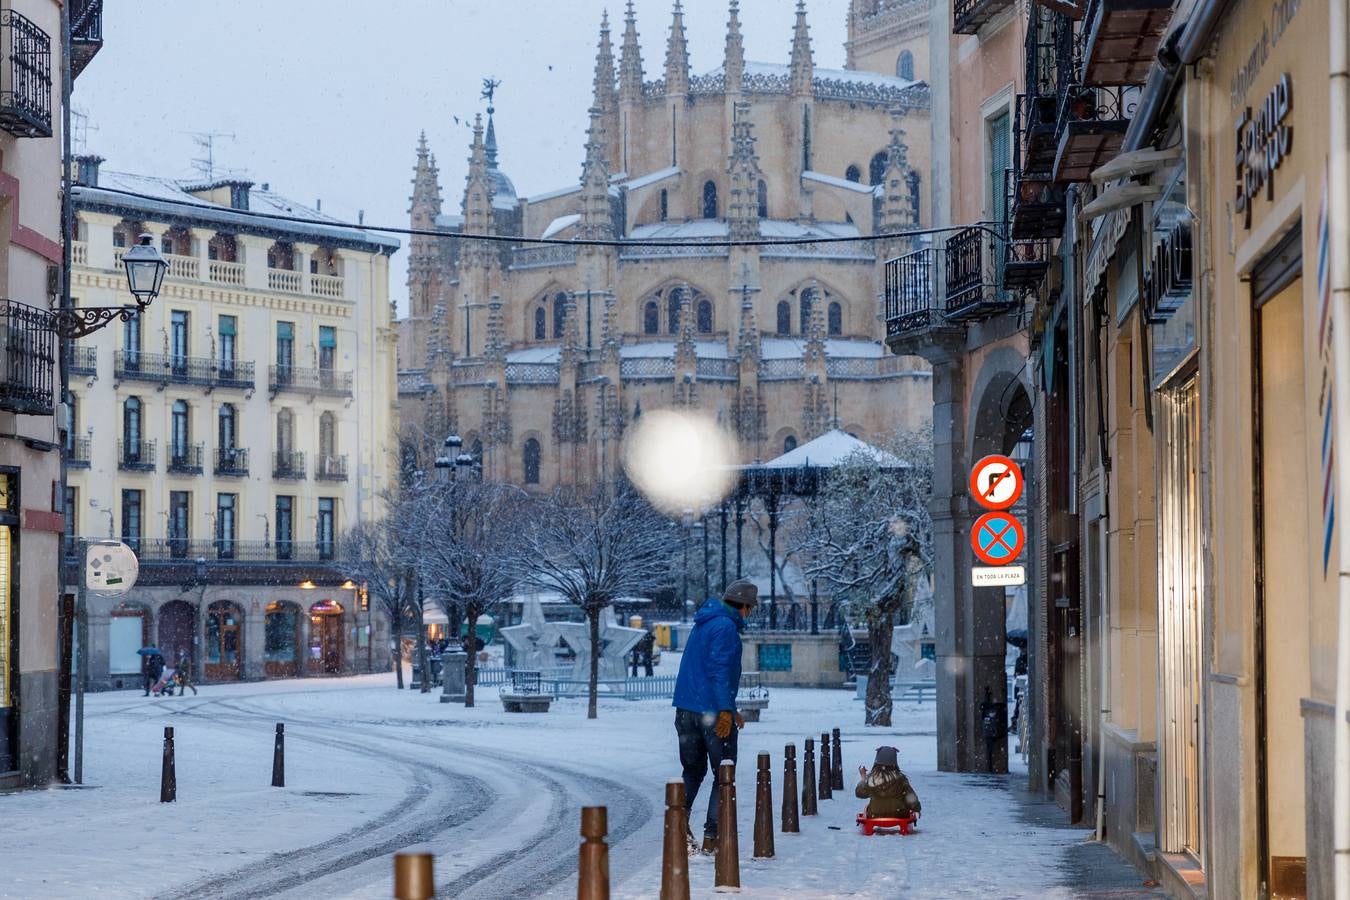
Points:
x=490 y=86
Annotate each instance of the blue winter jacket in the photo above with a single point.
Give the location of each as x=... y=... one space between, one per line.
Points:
x=710 y=670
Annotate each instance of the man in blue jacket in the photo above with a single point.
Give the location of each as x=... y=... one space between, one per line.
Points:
x=705 y=695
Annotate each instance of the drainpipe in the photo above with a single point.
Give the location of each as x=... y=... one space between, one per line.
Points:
x=1338 y=219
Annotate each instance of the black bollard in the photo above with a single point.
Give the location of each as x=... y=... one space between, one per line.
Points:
x=809 y=779
x=279 y=757
x=837 y=773
x=824 y=785
x=790 y=822
x=168 y=781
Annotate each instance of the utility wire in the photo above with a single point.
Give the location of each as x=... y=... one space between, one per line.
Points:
x=570 y=242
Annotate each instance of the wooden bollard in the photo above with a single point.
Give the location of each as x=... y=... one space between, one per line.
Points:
x=727 y=864
x=674 y=852
x=168 y=780
x=763 y=809
x=809 y=779
x=593 y=870
x=837 y=772
x=279 y=757
x=414 y=876
x=824 y=785
x=790 y=823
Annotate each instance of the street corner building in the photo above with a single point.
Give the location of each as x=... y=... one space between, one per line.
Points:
x=540 y=355
x=230 y=433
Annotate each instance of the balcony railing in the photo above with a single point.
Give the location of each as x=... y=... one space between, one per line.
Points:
x=83 y=360
x=1121 y=40
x=1091 y=127
x=25 y=77
x=911 y=293
x=970 y=15
x=86 y=33
x=285 y=280
x=331 y=468
x=136 y=456
x=231 y=461
x=175 y=549
x=326 y=382
x=132 y=365
x=186 y=459
x=222 y=272
x=27 y=359
x=77 y=454
x=188 y=268
x=974 y=284
x=79 y=253
x=331 y=286
x=289 y=465
x=1025 y=262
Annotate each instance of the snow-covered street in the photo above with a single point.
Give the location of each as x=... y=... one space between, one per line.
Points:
x=496 y=797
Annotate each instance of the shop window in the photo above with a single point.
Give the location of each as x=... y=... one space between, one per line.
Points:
x=280 y=633
x=775 y=657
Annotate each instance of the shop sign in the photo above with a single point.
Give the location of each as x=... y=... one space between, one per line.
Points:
x=1167 y=285
x=1264 y=140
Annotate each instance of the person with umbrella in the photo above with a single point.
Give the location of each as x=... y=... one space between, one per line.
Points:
x=152 y=666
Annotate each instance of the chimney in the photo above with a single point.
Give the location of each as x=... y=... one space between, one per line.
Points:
x=86 y=169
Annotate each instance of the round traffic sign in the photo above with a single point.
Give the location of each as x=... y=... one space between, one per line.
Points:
x=997 y=538
x=996 y=482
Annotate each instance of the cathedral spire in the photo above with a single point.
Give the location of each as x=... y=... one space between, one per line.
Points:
x=596 y=221
x=425 y=202
x=734 y=64
x=630 y=59
x=802 y=67
x=677 y=54
x=899 y=198
x=604 y=93
x=478 y=189
x=745 y=177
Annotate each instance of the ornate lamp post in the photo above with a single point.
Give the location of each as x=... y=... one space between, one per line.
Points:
x=145 y=269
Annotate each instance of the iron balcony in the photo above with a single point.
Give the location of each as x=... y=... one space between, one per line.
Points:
x=86 y=33
x=25 y=77
x=77 y=454
x=28 y=368
x=319 y=382
x=331 y=468
x=186 y=459
x=1121 y=40
x=163 y=368
x=969 y=15
x=83 y=360
x=136 y=456
x=232 y=461
x=288 y=465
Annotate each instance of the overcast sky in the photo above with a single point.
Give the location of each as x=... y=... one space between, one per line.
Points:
x=325 y=99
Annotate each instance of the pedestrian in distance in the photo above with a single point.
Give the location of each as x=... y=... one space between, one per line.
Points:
x=886 y=789
x=185 y=674
x=152 y=666
x=706 y=720
x=646 y=647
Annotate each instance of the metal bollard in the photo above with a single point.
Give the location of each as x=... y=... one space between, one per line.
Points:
x=824 y=785
x=674 y=852
x=727 y=864
x=763 y=809
x=790 y=823
x=837 y=773
x=593 y=870
x=168 y=780
x=809 y=779
x=414 y=877
x=279 y=757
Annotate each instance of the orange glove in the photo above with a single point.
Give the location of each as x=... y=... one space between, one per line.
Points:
x=723 y=727
x=740 y=722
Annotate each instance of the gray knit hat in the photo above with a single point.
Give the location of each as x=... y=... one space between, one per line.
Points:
x=741 y=593
x=887 y=756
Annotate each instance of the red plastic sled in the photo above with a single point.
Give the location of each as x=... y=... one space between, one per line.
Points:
x=870 y=825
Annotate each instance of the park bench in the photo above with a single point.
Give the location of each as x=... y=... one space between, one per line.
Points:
x=868 y=826
x=753 y=696
x=525 y=694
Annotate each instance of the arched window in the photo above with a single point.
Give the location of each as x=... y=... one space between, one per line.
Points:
x=709 y=200
x=226 y=434
x=178 y=435
x=835 y=319
x=531 y=461
x=876 y=170
x=559 y=314
x=665 y=204
x=673 y=311
x=789 y=444
x=651 y=318
x=763 y=199
x=327 y=436
x=784 y=317
x=131 y=426
x=540 y=324
x=904 y=66
x=853 y=173
x=804 y=302
x=704 y=317
x=285 y=431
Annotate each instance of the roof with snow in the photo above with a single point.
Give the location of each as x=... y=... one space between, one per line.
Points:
x=170 y=199
x=831 y=449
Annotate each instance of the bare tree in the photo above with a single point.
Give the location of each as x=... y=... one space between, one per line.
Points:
x=592 y=548
x=463 y=535
x=370 y=556
x=869 y=537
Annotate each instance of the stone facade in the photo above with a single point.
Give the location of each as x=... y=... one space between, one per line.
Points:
x=540 y=355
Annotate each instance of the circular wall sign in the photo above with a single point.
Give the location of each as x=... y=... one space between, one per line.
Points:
x=997 y=538
x=996 y=482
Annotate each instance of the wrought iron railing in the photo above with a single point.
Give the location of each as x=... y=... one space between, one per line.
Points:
x=331 y=468
x=28 y=366
x=136 y=456
x=231 y=461
x=186 y=459
x=969 y=15
x=330 y=382
x=225 y=549
x=165 y=368
x=83 y=360
x=25 y=77
x=86 y=33
x=910 y=294
x=288 y=464
x=77 y=454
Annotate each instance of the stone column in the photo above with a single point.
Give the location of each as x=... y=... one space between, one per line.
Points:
x=303 y=254
x=201 y=249
x=254 y=636
x=254 y=251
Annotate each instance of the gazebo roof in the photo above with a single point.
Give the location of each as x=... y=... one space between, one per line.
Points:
x=831 y=449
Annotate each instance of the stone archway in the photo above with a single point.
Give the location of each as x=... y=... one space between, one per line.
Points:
x=177 y=626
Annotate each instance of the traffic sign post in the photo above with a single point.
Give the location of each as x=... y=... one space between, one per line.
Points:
x=996 y=482
x=997 y=538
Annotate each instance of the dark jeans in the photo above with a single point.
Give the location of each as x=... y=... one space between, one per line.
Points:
x=699 y=749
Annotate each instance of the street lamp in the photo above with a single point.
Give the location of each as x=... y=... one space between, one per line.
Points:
x=145 y=270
